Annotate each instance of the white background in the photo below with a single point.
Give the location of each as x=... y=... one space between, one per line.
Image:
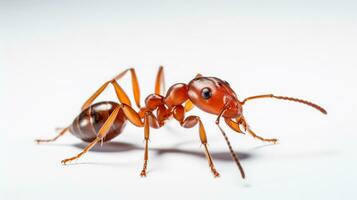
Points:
x=53 y=55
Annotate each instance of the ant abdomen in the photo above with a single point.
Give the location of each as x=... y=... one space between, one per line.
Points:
x=87 y=124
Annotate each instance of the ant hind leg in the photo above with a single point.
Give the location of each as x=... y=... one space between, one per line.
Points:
x=101 y=134
x=60 y=134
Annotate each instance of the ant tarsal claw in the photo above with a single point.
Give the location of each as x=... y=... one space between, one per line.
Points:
x=64 y=162
x=38 y=141
x=215 y=174
x=143 y=173
x=274 y=141
x=68 y=160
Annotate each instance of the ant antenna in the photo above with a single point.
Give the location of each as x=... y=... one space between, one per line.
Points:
x=317 y=107
x=234 y=156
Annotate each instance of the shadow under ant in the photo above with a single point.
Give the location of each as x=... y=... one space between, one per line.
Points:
x=225 y=156
x=114 y=146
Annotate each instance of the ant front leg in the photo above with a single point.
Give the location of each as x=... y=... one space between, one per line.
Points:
x=190 y=122
x=272 y=140
x=189 y=105
x=235 y=125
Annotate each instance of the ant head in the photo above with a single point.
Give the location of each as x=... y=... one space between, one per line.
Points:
x=214 y=95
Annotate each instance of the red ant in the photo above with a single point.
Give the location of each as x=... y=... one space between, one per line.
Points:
x=103 y=121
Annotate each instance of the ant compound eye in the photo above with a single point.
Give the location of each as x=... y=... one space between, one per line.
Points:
x=206 y=93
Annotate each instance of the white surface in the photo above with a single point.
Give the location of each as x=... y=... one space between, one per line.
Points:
x=54 y=55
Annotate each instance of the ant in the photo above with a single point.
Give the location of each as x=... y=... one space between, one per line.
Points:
x=101 y=122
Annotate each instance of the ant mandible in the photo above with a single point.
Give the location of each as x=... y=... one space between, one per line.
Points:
x=101 y=122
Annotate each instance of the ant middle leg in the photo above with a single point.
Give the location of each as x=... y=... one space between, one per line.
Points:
x=146 y=137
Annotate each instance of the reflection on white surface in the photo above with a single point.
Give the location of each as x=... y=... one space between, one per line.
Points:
x=53 y=55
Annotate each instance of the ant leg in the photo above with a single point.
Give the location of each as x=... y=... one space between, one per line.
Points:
x=101 y=134
x=242 y=121
x=123 y=97
x=272 y=140
x=153 y=121
x=160 y=82
x=233 y=125
x=198 y=75
x=61 y=133
x=149 y=120
x=189 y=105
x=132 y=115
x=233 y=154
x=190 y=122
x=135 y=119
x=146 y=137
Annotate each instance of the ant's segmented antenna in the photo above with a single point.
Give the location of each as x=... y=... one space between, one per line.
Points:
x=234 y=156
x=317 y=107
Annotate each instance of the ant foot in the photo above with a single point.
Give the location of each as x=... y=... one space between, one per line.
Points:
x=143 y=173
x=215 y=173
x=65 y=161
x=274 y=141
x=39 y=141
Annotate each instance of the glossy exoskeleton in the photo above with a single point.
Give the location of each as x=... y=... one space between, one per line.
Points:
x=101 y=122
